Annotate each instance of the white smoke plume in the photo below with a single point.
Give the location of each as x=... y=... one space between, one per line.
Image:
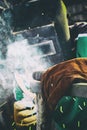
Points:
x=20 y=56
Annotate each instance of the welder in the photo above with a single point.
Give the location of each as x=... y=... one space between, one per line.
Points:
x=66 y=120
x=56 y=13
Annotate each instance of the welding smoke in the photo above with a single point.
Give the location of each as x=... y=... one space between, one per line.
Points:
x=16 y=54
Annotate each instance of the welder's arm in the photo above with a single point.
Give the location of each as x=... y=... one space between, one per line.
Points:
x=24 y=116
x=25 y=109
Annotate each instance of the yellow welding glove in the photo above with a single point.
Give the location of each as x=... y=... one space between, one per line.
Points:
x=24 y=116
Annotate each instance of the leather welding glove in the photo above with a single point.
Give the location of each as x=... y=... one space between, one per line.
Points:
x=56 y=81
x=24 y=115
